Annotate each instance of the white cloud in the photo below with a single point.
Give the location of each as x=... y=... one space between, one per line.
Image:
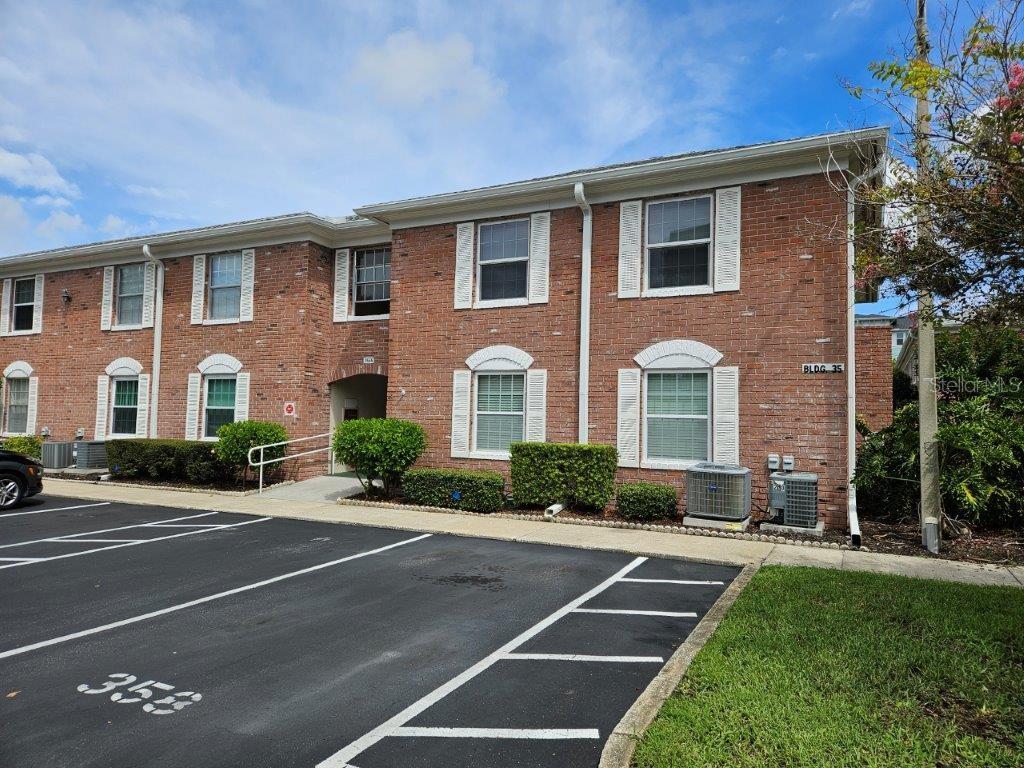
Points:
x=114 y=225
x=154 y=192
x=33 y=171
x=14 y=223
x=853 y=8
x=60 y=223
x=51 y=201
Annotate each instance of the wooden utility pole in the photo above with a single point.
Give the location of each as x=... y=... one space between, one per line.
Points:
x=931 y=525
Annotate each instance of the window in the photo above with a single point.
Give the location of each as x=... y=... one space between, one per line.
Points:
x=24 y=304
x=504 y=260
x=220 y=404
x=130 y=282
x=500 y=410
x=125 y=411
x=679 y=243
x=372 y=282
x=677 y=413
x=225 y=286
x=17 y=406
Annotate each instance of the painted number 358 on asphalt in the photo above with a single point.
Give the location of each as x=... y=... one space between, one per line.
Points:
x=143 y=693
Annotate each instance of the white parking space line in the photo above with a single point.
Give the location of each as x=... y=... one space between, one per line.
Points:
x=96 y=541
x=58 y=509
x=202 y=600
x=19 y=559
x=183 y=525
x=627 y=612
x=499 y=733
x=585 y=657
x=341 y=758
x=684 y=582
x=134 y=543
x=73 y=536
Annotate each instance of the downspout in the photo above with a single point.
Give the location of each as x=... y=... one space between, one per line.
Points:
x=588 y=234
x=158 y=323
x=851 y=353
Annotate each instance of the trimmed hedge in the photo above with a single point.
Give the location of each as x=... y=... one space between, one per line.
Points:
x=194 y=461
x=646 y=501
x=29 y=445
x=455 y=489
x=579 y=476
x=235 y=439
x=379 y=451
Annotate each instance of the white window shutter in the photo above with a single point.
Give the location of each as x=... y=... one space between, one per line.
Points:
x=628 y=434
x=248 y=283
x=461 y=386
x=536 y=405
x=33 y=405
x=342 y=258
x=242 y=396
x=5 y=308
x=37 y=310
x=148 y=287
x=464 y=265
x=102 y=396
x=727 y=239
x=142 y=411
x=630 y=242
x=198 y=288
x=195 y=383
x=107 y=302
x=540 y=256
x=726 y=415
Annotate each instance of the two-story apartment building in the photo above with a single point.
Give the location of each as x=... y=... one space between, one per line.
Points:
x=669 y=307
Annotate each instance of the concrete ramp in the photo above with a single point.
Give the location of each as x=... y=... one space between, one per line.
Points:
x=326 y=488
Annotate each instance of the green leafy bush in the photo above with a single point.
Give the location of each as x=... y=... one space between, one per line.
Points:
x=29 y=445
x=580 y=476
x=193 y=461
x=455 y=489
x=235 y=439
x=379 y=451
x=645 y=501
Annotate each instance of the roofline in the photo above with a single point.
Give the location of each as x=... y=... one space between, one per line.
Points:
x=870 y=321
x=624 y=173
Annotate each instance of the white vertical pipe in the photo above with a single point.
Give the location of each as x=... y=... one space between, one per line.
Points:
x=584 y=367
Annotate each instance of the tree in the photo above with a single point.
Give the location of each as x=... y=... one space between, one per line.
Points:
x=968 y=190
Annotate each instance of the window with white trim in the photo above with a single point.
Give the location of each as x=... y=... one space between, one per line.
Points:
x=225 y=286
x=23 y=305
x=503 y=260
x=679 y=243
x=16 y=405
x=218 y=402
x=677 y=415
x=371 y=281
x=130 y=279
x=124 y=409
x=500 y=411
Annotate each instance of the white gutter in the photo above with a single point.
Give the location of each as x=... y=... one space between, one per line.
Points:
x=588 y=233
x=158 y=322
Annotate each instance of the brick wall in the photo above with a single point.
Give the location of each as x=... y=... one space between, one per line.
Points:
x=874 y=375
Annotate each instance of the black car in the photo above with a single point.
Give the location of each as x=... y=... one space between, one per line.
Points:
x=20 y=477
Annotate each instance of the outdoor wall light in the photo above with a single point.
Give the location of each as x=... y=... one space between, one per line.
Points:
x=65 y=295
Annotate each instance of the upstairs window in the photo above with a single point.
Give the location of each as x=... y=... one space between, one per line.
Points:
x=225 y=286
x=679 y=243
x=504 y=260
x=220 y=403
x=371 y=282
x=17 y=406
x=125 y=410
x=500 y=410
x=23 y=310
x=130 y=287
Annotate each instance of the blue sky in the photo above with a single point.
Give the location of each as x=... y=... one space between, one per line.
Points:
x=127 y=118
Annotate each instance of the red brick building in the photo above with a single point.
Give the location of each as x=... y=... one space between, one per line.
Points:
x=670 y=307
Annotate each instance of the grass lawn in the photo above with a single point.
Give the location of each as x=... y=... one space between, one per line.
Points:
x=827 y=668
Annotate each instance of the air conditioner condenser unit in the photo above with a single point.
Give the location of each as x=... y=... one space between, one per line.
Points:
x=795 y=496
x=718 y=491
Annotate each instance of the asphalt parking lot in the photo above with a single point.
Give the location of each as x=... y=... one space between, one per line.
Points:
x=140 y=635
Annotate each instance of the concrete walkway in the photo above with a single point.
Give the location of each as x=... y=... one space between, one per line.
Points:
x=326 y=488
x=650 y=543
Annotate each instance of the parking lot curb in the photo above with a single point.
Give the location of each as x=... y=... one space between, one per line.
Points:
x=618 y=750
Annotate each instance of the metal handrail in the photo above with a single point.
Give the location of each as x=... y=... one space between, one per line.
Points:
x=265 y=461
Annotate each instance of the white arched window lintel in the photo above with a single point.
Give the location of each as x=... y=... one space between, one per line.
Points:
x=500 y=357
x=219 y=364
x=678 y=353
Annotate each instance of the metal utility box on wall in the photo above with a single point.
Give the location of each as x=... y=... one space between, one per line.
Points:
x=90 y=454
x=58 y=455
x=718 y=491
x=795 y=494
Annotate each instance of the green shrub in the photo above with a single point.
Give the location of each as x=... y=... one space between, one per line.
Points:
x=379 y=450
x=235 y=439
x=189 y=460
x=645 y=501
x=580 y=476
x=455 y=489
x=29 y=445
